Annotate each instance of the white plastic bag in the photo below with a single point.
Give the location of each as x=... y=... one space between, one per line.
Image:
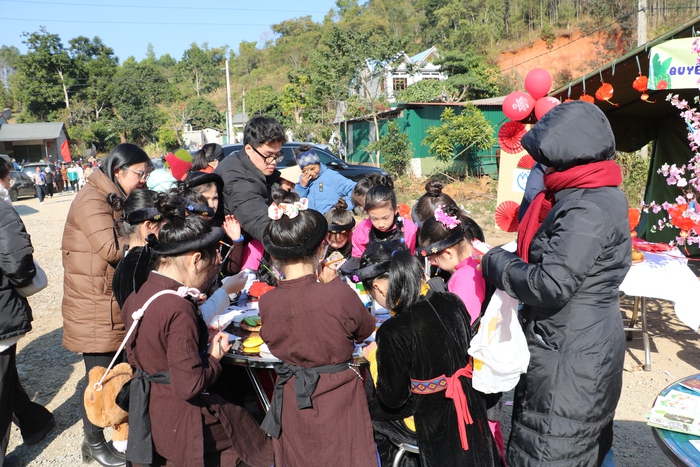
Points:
x=38 y=284
x=499 y=348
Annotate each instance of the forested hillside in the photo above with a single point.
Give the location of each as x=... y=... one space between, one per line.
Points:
x=304 y=69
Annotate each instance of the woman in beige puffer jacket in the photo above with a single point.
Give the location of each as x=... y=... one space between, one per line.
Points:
x=90 y=250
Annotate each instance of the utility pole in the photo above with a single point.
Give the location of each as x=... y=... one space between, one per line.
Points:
x=641 y=40
x=229 y=117
x=641 y=22
x=243 y=112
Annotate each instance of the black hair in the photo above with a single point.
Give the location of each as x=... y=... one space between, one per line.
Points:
x=405 y=273
x=137 y=200
x=184 y=191
x=381 y=193
x=339 y=214
x=5 y=167
x=296 y=238
x=361 y=189
x=123 y=155
x=213 y=152
x=302 y=148
x=182 y=228
x=199 y=161
x=426 y=204
x=433 y=231
x=263 y=130
x=280 y=195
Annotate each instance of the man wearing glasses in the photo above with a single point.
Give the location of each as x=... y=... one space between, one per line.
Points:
x=251 y=175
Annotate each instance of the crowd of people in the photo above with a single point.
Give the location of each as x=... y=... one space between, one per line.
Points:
x=153 y=261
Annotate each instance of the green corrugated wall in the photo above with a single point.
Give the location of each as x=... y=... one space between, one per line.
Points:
x=414 y=122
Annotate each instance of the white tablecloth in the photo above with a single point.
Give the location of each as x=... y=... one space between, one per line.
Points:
x=666 y=276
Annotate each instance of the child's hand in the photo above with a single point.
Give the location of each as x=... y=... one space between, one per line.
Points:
x=366 y=350
x=219 y=345
x=231 y=227
x=327 y=273
x=306 y=178
x=235 y=283
x=201 y=298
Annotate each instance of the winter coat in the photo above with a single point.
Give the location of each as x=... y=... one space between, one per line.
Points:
x=247 y=192
x=90 y=250
x=362 y=236
x=16 y=270
x=324 y=191
x=565 y=403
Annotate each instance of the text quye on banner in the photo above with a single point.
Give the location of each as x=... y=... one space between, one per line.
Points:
x=672 y=65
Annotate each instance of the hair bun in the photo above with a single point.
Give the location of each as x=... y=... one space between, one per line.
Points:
x=385 y=180
x=434 y=187
x=341 y=205
x=115 y=201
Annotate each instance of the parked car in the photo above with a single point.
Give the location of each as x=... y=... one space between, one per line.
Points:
x=352 y=171
x=31 y=167
x=21 y=186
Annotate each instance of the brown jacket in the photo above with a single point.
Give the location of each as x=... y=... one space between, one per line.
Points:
x=91 y=321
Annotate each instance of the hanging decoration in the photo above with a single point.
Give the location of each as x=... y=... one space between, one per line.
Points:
x=605 y=91
x=507 y=216
x=585 y=97
x=526 y=162
x=509 y=137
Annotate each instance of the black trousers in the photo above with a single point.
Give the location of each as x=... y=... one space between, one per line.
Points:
x=16 y=405
x=92 y=360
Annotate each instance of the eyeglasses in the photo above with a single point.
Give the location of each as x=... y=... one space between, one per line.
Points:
x=270 y=159
x=143 y=174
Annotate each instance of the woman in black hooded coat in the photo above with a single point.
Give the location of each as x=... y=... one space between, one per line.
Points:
x=571 y=262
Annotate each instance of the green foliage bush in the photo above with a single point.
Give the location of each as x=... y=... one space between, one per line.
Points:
x=395 y=148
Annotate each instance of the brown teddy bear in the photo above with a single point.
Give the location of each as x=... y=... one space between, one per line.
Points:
x=100 y=403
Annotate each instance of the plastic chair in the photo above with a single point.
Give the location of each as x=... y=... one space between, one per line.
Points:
x=404 y=448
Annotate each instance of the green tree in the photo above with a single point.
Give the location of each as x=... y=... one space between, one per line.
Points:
x=204 y=114
x=95 y=66
x=396 y=148
x=9 y=60
x=42 y=80
x=468 y=130
x=471 y=73
x=263 y=100
x=428 y=90
x=137 y=90
x=202 y=67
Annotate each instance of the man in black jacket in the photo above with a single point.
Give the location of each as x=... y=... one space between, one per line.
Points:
x=250 y=175
x=17 y=270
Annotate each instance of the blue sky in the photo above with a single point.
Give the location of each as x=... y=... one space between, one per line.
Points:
x=171 y=26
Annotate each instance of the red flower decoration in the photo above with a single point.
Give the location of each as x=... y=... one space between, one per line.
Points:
x=662 y=84
x=679 y=220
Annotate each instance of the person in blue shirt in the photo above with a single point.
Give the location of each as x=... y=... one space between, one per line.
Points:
x=319 y=184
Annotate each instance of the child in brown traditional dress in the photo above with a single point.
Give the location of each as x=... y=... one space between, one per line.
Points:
x=319 y=414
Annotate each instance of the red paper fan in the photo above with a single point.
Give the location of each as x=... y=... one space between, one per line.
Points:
x=509 y=137
x=526 y=162
x=507 y=216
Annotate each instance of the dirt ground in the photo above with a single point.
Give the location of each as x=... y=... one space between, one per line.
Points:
x=51 y=374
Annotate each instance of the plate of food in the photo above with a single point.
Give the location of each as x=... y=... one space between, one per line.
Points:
x=251 y=323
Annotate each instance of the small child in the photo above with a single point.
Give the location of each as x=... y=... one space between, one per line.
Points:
x=420 y=364
x=341 y=223
x=319 y=184
x=326 y=419
x=384 y=222
x=446 y=240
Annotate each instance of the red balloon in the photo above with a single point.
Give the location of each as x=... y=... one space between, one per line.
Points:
x=538 y=82
x=544 y=105
x=518 y=105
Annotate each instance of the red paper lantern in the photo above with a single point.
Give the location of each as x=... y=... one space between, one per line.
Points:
x=518 y=105
x=538 y=82
x=544 y=105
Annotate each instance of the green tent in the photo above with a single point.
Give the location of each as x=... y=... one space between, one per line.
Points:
x=636 y=122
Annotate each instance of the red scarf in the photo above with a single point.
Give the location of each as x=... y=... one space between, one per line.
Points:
x=593 y=175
